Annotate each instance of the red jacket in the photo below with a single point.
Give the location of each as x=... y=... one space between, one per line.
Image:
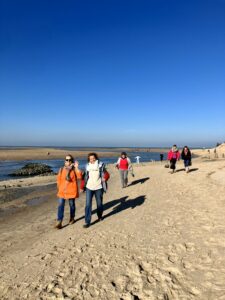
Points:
x=172 y=154
x=123 y=163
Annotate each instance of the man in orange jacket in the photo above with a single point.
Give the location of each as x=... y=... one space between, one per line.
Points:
x=68 y=188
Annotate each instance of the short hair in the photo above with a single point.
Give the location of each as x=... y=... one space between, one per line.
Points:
x=124 y=153
x=93 y=154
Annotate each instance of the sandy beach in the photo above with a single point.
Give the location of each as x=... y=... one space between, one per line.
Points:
x=163 y=237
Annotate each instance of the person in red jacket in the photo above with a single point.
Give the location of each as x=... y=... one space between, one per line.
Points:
x=123 y=165
x=67 y=188
x=173 y=157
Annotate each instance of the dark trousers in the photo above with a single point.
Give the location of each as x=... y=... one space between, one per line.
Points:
x=88 y=209
x=173 y=163
x=187 y=163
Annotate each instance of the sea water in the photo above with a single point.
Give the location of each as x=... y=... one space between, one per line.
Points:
x=8 y=167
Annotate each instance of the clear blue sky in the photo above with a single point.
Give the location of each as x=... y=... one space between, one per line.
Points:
x=112 y=73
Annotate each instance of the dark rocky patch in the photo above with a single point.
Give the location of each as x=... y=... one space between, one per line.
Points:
x=32 y=169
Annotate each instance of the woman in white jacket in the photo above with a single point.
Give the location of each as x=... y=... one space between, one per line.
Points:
x=95 y=185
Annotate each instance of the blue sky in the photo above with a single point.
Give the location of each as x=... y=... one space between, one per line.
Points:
x=112 y=73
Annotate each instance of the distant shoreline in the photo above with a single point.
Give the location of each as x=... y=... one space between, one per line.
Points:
x=44 y=153
x=15 y=154
x=35 y=153
x=81 y=148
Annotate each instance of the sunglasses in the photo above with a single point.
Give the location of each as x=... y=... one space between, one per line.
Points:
x=68 y=159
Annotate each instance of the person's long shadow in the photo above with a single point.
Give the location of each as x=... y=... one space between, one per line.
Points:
x=64 y=226
x=106 y=206
x=142 y=180
x=123 y=204
x=118 y=205
x=190 y=170
x=193 y=170
x=180 y=170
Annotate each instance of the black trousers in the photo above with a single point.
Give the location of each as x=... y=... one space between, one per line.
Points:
x=173 y=163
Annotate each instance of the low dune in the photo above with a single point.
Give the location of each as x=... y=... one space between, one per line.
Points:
x=210 y=153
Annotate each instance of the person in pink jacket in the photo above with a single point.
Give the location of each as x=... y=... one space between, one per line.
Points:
x=173 y=157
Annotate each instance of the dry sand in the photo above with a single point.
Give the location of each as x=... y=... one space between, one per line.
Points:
x=163 y=237
x=212 y=153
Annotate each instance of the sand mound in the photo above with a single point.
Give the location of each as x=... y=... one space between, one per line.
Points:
x=221 y=147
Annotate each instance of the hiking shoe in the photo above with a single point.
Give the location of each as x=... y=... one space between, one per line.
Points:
x=86 y=225
x=71 y=221
x=58 y=225
x=100 y=219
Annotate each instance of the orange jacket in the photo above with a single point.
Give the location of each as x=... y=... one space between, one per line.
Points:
x=68 y=189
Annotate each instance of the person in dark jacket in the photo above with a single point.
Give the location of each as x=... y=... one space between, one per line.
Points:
x=186 y=156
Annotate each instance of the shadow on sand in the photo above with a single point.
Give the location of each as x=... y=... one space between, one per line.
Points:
x=123 y=204
x=64 y=226
x=142 y=180
x=118 y=206
x=180 y=170
x=193 y=170
x=190 y=170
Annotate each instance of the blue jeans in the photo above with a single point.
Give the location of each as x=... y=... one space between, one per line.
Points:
x=99 y=197
x=187 y=163
x=61 y=208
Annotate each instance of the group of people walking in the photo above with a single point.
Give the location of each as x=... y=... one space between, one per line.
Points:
x=94 y=181
x=174 y=155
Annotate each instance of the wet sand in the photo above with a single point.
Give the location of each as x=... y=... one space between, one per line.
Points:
x=45 y=153
x=51 y=153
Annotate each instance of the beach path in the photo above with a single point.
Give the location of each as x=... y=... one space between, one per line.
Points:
x=163 y=237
